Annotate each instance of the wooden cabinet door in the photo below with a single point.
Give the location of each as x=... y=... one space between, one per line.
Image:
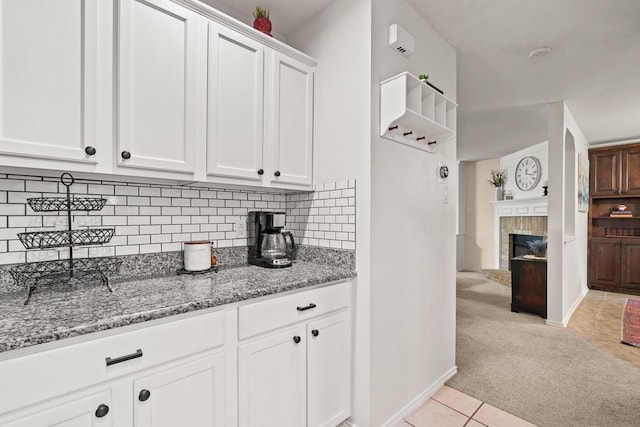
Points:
x=290 y=125
x=191 y=394
x=630 y=266
x=49 y=94
x=329 y=370
x=235 y=105
x=631 y=170
x=271 y=380
x=604 y=267
x=157 y=86
x=605 y=172
x=77 y=412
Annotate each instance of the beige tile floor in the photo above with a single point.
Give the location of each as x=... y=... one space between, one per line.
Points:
x=598 y=319
x=451 y=408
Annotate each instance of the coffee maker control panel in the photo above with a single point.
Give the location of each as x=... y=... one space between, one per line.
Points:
x=281 y=262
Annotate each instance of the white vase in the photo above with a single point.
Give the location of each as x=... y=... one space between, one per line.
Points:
x=499 y=193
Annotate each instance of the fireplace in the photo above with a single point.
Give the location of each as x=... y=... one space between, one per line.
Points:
x=526 y=217
x=519 y=245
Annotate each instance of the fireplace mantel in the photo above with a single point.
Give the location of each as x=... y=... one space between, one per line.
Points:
x=535 y=206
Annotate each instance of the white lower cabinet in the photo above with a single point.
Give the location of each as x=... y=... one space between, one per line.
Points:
x=92 y=410
x=329 y=370
x=300 y=374
x=271 y=380
x=190 y=394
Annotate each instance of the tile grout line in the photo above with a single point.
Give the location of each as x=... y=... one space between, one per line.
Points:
x=481 y=403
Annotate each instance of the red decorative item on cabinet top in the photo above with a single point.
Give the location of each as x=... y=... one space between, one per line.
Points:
x=262 y=22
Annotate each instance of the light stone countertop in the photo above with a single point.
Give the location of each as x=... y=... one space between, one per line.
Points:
x=63 y=313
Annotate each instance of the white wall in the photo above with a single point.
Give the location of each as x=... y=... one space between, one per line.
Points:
x=340 y=39
x=479 y=244
x=413 y=234
x=567 y=251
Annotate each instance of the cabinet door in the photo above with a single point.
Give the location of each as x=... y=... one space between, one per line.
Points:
x=88 y=411
x=190 y=394
x=631 y=170
x=49 y=53
x=235 y=105
x=329 y=370
x=157 y=79
x=291 y=123
x=630 y=262
x=605 y=263
x=605 y=172
x=271 y=380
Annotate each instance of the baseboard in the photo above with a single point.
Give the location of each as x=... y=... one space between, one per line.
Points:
x=419 y=400
x=574 y=307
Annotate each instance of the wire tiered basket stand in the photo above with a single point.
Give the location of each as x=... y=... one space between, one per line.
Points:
x=81 y=270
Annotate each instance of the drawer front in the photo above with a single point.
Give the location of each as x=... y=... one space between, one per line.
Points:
x=281 y=311
x=35 y=377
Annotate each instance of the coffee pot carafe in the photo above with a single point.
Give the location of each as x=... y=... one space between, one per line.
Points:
x=267 y=242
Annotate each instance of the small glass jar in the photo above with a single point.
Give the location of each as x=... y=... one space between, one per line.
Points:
x=508 y=195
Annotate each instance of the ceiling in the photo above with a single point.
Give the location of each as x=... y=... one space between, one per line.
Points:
x=594 y=64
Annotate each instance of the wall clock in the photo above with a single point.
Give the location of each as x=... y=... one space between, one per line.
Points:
x=528 y=173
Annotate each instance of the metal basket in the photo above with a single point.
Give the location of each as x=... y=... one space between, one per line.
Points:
x=60 y=238
x=32 y=275
x=53 y=204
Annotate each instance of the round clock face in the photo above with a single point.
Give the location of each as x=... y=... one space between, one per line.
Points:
x=528 y=173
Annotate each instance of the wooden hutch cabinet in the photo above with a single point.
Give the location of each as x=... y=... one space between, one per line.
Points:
x=614 y=243
x=615 y=171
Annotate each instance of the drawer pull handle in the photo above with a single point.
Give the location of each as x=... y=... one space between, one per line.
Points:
x=144 y=395
x=315 y=332
x=308 y=307
x=297 y=339
x=120 y=359
x=102 y=410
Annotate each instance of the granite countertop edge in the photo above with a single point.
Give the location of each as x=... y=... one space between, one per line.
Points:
x=10 y=341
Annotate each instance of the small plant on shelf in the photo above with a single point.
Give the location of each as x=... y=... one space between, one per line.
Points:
x=498 y=177
x=538 y=247
x=423 y=77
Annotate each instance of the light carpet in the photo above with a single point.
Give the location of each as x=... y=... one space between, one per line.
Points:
x=543 y=374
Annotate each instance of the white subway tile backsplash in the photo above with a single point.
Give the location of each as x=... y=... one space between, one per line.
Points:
x=170 y=247
x=149 y=191
x=153 y=218
x=125 y=190
x=171 y=192
x=12 y=185
x=127 y=210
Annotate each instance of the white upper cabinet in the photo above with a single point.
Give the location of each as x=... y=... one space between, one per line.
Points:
x=157 y=86
x=290 y=124
x=235 y=105
x=50 y=52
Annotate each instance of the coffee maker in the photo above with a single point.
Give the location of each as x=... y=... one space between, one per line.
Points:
x=267 y=242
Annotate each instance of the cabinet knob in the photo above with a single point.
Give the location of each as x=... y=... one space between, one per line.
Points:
x=297 y=339
x=144 y=395
x=90 y=150
x=125 y=155
x=315 y=332
x=277 y=173
x=260 y=171
x=102 y=410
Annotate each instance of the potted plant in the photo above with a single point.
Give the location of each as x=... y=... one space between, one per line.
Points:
x=498 y=179
x=538 y=248
x=261 y=21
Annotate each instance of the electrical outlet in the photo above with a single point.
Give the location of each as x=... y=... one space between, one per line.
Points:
x=241 y=229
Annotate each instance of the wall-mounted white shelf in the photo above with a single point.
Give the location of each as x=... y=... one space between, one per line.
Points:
x=415 y=114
